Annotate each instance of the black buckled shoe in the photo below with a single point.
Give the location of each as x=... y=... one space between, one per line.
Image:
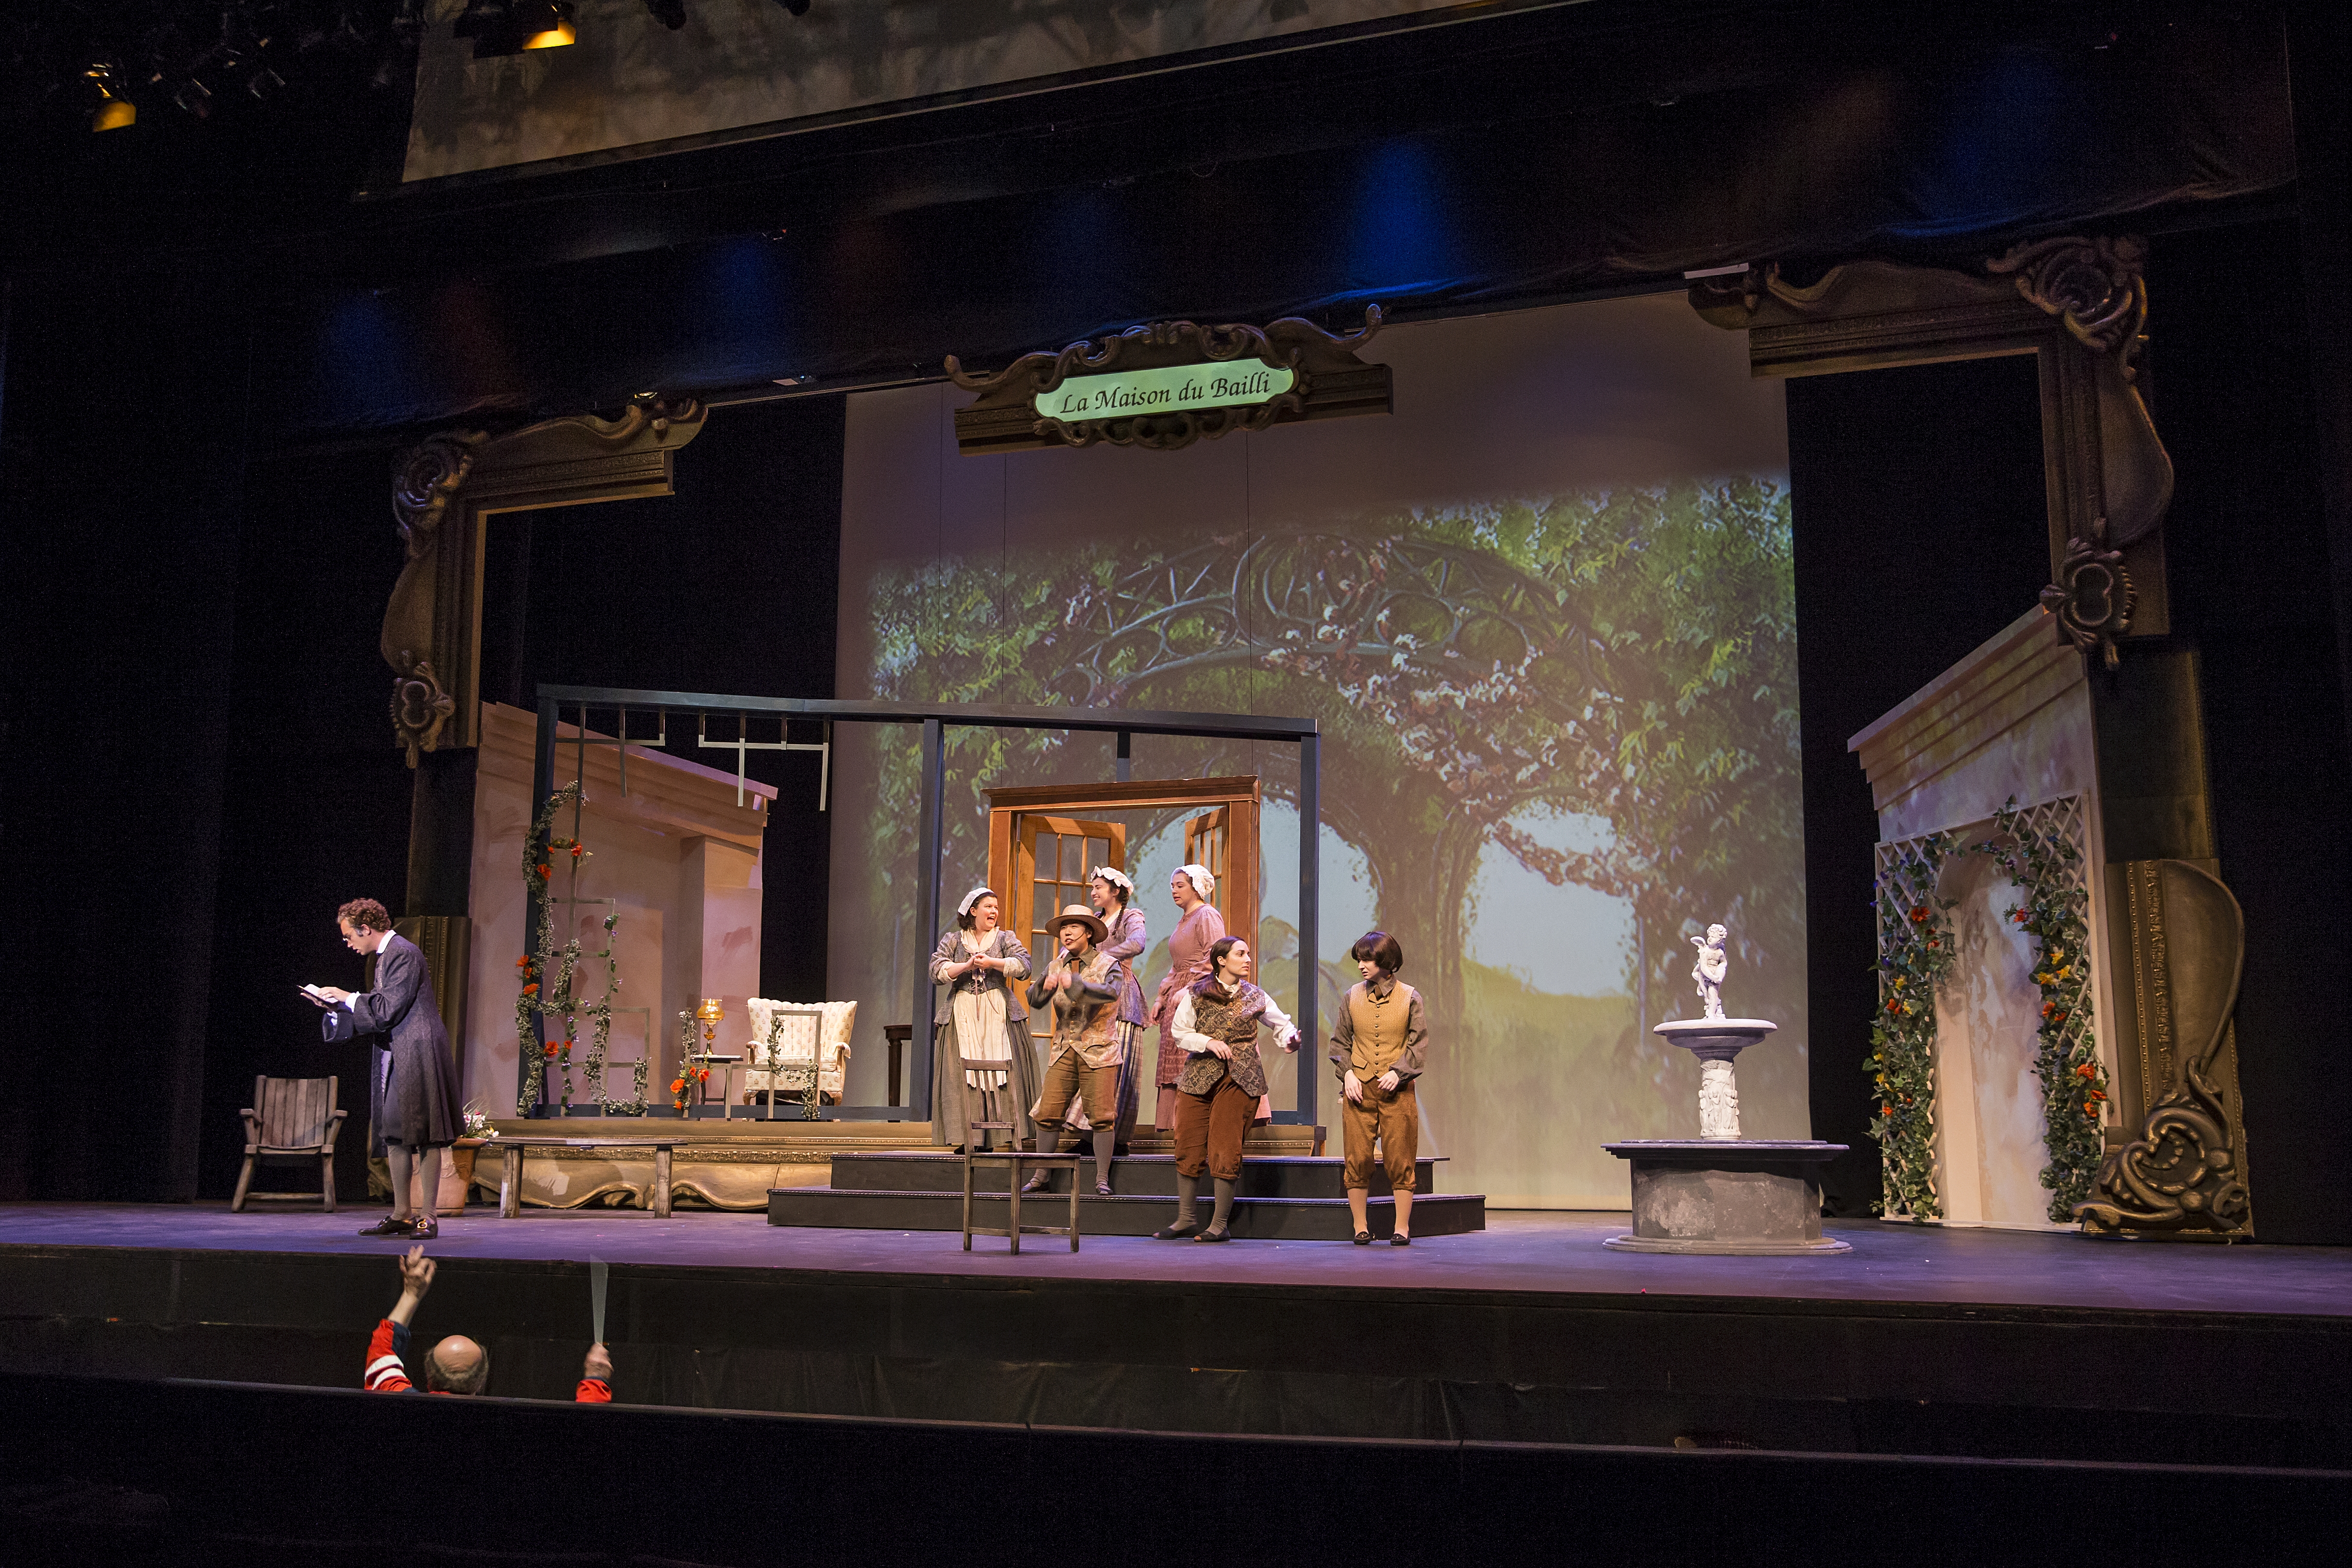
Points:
x=388 y=1226
x=425 y=1228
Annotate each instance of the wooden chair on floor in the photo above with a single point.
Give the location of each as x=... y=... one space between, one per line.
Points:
x=291 y=1121
x=996 y=1107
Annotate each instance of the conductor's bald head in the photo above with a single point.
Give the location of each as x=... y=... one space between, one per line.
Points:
x=457 y=1365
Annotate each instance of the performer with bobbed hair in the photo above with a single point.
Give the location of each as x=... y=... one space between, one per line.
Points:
x=980 y=1015
x=1380 y=1041
x=412 y=1092
x=1216 y=1021
x=1198 y=926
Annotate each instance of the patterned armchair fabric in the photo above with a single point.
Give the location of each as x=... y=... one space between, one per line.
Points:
x=818 y=1030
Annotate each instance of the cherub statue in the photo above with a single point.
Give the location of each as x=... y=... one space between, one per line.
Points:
x=1712 y=966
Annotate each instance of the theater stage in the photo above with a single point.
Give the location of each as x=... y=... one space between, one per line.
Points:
x=1919 y=1341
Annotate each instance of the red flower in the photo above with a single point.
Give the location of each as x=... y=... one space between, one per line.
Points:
x=530 y=988
x=1919 y=915
x=549 y=1050
x=2086 y=1070
x=578 y=849
x=544 y=868
x=1887 y=1110
x=2096 y=1095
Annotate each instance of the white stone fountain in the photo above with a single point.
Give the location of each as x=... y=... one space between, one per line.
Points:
x=1723 y=1193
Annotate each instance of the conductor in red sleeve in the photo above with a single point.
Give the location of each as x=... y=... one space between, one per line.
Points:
x=456 y=1365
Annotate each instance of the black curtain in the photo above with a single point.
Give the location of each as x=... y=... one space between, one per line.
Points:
x=121 y=479
x=1920 y=532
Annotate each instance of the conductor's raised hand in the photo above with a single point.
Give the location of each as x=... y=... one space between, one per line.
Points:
x=416 y=1272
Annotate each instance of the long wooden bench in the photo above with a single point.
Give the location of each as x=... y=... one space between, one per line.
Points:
x=513 y=1145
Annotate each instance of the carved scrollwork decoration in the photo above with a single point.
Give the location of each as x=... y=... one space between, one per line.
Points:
x=2185 y=1173
x=2093 y=598
x=1327 y=379
x=2096 y=286
x=419 y=706
x=424 y=479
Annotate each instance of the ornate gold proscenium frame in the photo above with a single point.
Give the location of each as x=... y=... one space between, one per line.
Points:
x=445 y=489
x=2079 y=306
x=1331 y=382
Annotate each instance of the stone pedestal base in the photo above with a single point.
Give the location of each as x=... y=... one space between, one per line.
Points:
x=1745 y=1196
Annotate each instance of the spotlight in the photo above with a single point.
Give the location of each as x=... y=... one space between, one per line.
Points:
x=670 y=14
x=511 y=26
x=113 y=111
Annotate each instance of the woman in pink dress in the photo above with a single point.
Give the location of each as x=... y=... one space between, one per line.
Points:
x=1192 y=887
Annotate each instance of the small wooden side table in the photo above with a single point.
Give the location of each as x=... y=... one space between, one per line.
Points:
x=510 y=1174
x=899 y=1035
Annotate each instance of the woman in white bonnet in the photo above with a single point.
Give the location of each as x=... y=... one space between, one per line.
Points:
x=980 y=1015
x=1192 y=887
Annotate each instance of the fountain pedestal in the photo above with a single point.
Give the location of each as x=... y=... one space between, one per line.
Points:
x=1721 y=1192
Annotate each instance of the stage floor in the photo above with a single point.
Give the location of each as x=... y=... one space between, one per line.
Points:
x=1521 y=1251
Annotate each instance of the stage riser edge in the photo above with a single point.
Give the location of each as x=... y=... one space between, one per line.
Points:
x=1145 y=1175
x=1253 y=1220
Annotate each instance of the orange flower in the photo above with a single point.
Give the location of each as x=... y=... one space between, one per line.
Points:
x=544 y=868
x=2086 y=1071
x=550 y=1050
x=677 y=1085
x=578 y=849
x=530 y=988
x=1919 y=915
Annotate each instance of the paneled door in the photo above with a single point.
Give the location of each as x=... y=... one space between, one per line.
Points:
x=1052 y=859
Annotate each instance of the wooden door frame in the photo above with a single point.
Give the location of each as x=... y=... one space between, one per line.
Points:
x=1243 y=794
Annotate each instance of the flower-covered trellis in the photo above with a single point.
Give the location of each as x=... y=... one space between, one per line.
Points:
x=2041 y=850
x=546 y=977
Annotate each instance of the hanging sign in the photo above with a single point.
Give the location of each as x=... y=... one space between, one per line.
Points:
x=1168 y=384
x=1167 y=390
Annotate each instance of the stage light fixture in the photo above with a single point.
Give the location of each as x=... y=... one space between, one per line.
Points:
x=195 y=97
x=511 y=27
x=113 y=112
x=670 y=14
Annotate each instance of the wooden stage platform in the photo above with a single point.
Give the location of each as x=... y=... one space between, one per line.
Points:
x=2047 y=1346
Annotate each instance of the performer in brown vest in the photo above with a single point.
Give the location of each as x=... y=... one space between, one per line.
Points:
x=1216 y=1020
x=1379 y=1042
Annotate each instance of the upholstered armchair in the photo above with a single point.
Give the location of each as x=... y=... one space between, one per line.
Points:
x=790 y=1040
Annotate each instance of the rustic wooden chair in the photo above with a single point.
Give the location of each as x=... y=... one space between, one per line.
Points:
x=290 y=1120
x=996 y=1107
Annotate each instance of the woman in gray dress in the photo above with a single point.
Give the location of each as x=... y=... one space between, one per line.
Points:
x=980 y=1015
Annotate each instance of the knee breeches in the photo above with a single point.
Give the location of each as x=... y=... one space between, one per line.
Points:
x=1394 y=1119
x=1208 y=1129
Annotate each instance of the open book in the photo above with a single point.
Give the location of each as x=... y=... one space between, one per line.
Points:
x=317 y=996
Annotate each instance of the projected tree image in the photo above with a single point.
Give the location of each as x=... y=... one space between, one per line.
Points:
x=1626 y=656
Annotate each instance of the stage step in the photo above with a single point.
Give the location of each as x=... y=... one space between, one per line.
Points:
x=1253 y=1218
x=1132 y=1176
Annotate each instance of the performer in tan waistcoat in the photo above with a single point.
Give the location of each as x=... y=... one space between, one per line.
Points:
x=1379 y=1043
x=1083 y=986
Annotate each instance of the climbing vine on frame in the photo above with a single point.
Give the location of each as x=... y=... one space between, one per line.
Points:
x=2040 y=849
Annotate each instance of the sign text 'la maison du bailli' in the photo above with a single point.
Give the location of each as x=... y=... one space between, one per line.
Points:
x=1166 y=385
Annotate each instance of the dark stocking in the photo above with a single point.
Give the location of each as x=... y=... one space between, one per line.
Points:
x=1223 y=1221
